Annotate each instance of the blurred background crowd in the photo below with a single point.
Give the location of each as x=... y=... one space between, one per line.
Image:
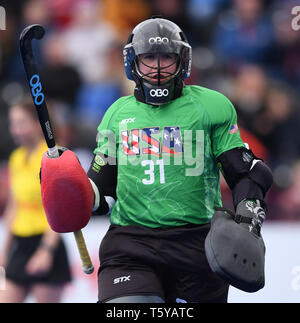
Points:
x=247 y=50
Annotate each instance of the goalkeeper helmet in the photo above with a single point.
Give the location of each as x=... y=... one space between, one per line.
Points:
x=158 y=58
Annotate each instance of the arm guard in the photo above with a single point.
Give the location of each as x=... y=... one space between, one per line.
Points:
x=103 y=177
x=247 y=176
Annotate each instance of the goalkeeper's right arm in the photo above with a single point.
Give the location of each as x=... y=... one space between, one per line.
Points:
x=103 y=177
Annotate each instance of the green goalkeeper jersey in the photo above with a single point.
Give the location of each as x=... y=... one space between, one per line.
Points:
x=166 y=156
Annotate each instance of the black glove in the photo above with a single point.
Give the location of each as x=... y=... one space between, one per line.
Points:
x=252 y=214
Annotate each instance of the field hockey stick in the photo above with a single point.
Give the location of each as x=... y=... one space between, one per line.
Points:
x=26 y=37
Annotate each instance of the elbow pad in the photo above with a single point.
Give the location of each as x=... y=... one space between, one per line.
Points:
x=261 y=174
x=246 y=175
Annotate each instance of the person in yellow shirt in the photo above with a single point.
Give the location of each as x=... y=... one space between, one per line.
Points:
x=34 y=256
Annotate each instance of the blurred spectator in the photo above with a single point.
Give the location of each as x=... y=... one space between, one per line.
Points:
x=203 y=17
x=60 y=80
x=87 y=41
x=287 y=204
x=258 y=148
x=34 y=257
x=6 y=143
x=70 y=133
x=33 y=12
x=94 y=99
x=174 y=10
x=278 y=124
x=284 y=61
x=8 y=45
x=248 y=94
x=124 y=15
x=3 y=186
x=60 y=12
x=244 y=34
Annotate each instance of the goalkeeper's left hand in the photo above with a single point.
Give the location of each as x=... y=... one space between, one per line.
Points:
x=252 y=214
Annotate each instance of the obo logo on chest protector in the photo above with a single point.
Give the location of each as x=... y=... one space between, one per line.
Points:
x=159 y=92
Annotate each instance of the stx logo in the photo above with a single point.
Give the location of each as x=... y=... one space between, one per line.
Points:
x=121 y=279
x=159 y=92
x=158 y=40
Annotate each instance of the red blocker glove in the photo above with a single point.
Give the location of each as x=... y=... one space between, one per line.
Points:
x=67 y=194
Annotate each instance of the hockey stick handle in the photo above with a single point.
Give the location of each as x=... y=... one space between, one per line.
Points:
x=86 y=262
x=28 y=34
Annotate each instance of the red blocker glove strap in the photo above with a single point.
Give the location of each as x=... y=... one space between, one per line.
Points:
x=67 y=194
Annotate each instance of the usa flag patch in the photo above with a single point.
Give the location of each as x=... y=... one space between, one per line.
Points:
x=234 y=129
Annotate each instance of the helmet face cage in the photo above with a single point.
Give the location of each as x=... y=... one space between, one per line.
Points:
x=158 y=74
x=183 y=61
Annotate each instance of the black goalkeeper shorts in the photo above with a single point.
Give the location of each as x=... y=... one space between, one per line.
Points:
x=166 y=262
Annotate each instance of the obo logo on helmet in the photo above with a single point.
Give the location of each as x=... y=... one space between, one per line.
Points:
x=158 y=40
x=159 y=92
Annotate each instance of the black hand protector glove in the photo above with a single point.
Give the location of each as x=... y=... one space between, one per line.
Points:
x=251 y=214
x=234 y=247
x=67 y=193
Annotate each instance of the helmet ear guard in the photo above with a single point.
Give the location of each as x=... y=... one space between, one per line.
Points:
x=187 y=62
x=129 y=55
